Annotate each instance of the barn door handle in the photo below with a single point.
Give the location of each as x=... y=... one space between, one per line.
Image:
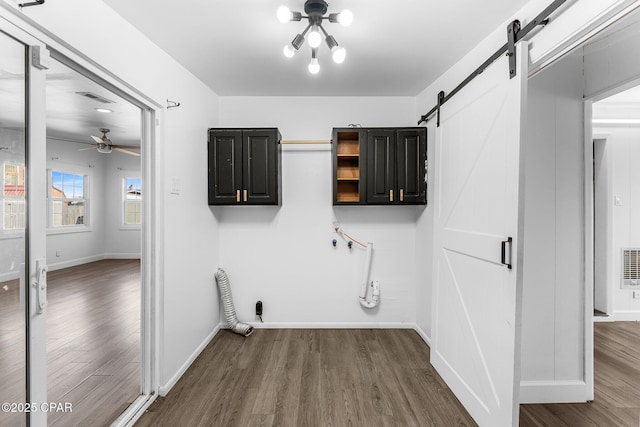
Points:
x=503 y=258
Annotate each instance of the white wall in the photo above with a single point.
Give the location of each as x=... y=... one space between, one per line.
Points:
x=553 y=270
x=424 y=245
x=188 y=230
x=82 y=244
x=611 y=61
x=284 y=256
x=120 y=241
x=624 y=147
x=104 y=237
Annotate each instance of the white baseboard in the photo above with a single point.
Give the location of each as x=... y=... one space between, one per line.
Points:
x=423 y=335
x=174 y=379
x=553 y=392
x=79 y=261
x=625 y=316
x=122 y=256
x=73 y=262
x=11 y=275
x=330 y=325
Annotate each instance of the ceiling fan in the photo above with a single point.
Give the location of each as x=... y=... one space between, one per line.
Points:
x=104 y=145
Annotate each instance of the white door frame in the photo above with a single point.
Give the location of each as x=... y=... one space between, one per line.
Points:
x=35 y=235
x=152 y=115
x=608 y=221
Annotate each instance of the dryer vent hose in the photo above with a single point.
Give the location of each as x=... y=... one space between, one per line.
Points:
x=227 y=302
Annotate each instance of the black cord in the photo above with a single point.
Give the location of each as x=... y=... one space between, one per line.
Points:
x=260 y=316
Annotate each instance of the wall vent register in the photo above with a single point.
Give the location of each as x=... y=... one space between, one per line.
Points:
x=630 y=269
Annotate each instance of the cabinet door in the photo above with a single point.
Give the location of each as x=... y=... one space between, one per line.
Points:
x=381 y=167
x=225 y=167
x=260 y=169
x=411 y=149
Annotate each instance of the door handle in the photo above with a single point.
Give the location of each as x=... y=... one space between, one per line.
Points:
x=402 y=194
x=237 y=196
x=503 y=257
x=40 y=284
x=391 y=195
x=244 y=195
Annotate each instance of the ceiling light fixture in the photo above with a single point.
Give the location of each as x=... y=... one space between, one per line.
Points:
x=103 y=110
x=315 y=10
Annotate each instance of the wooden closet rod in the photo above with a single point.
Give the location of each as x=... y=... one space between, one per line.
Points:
x=306 y=141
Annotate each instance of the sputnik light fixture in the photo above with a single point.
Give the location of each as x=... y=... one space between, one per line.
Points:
x=315 y=10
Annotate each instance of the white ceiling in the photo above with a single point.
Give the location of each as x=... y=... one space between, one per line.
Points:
x=393 y=47
x=622 y=106
x=70 y=117
x=74 y=118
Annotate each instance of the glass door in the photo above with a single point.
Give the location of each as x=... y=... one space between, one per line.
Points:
x=22 y=230
x=13 y=245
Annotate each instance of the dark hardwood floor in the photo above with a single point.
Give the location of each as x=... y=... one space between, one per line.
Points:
x=93 y=342
x=369 y=378
x=616 y=384
x=302 y=378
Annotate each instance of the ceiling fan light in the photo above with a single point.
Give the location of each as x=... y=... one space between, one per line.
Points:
x=284 y=14
x=314 y=38
x=314 y=67
x=289 y=51
x=103 y=148
x=338 y=54
x=345 y=18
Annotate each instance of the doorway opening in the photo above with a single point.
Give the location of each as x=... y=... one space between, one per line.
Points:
x=616 y=148
x=583 y=361
x=94 y=246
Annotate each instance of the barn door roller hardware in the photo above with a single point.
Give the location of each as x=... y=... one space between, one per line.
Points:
x=33 y=3
x=441 y=96
x=512 y=31
x=514 y=35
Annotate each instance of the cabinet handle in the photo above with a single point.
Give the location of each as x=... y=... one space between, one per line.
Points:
x=402 y=195
x=391 y=195
x=244 y=195
x=237 y=196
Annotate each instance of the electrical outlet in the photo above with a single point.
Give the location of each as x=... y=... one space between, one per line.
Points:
x=259 y=308
x=636 y=294
x=58 y=253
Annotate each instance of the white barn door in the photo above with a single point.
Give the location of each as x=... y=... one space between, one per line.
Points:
x=478 y=206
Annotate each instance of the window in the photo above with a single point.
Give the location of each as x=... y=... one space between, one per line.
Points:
x=132 y=201
x=68 y=201
x=13 y=197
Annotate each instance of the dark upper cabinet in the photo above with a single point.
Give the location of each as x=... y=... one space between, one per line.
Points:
x=411 y=156
x=244 y=167
x=379 y=166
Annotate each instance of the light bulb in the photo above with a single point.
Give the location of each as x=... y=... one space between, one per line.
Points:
x=314 y=67
x=289 y=51
x=314 y=38
x=345 y=18
x=338 y=54
x=284 y=14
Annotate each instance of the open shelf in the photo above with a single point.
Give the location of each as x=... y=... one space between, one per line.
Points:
x=348 y=167
x=348 y=191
